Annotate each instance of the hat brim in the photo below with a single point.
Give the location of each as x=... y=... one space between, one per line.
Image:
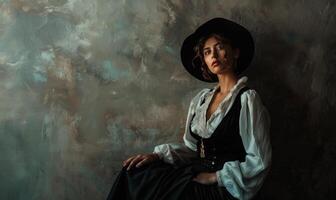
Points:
x=239 y=35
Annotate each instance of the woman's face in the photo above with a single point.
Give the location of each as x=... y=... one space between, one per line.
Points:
x=219 y=56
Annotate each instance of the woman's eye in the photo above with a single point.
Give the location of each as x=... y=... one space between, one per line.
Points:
x=220 y=46
x=206 y=52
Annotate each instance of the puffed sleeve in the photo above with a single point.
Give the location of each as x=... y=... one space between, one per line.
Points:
x=175 y=153
x=244 y=179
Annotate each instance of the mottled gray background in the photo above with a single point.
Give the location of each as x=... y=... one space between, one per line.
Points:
x=86 y=83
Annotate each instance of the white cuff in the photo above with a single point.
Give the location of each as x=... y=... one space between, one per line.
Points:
x=219 y=180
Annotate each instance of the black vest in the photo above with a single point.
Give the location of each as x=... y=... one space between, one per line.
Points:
x=225 y=143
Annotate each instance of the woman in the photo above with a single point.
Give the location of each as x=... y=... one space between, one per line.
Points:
x=226 y=152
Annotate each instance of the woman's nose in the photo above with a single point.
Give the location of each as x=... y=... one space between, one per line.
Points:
x=214 y=54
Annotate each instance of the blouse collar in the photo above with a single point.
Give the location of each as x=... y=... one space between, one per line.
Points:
x=199 y=123
x=241 y=82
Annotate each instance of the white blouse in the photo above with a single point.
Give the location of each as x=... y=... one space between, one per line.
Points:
x=241 y=179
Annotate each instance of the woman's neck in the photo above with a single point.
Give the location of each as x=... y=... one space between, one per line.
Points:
x=226 y=81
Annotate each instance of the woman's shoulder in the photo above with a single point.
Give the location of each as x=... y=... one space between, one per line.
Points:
x=249 y=92
x=200 y=95
x=203 y=91
x=251 y=97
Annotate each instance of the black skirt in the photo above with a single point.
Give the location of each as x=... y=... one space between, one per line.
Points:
x=163 y=181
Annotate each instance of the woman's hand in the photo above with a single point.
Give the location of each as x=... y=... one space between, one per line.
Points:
x=140 y=160
x=206 y=178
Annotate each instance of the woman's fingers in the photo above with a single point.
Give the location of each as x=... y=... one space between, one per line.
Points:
x=198 y=180
x=126 y=162
x=137 y=159
x=205 y=178
x=144 y=161
x=129 y=160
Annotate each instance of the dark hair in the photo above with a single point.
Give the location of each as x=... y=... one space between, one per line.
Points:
x=198 y=60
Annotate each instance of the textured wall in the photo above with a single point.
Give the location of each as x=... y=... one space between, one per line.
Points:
x=86 y=83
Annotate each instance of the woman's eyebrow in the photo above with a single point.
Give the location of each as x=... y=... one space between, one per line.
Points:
x=213 y=45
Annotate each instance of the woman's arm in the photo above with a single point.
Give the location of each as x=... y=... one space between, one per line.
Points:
x=244 y=179
x=173 y=153
x=181 y=153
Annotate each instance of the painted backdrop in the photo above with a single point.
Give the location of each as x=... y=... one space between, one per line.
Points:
x=86 y=83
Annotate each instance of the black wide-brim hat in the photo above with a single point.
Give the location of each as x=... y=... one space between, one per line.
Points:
x=240 y=37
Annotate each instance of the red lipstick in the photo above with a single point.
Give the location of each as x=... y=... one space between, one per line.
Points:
x=215 y=63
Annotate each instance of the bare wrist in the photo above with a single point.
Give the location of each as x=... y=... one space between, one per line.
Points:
x=214 y=177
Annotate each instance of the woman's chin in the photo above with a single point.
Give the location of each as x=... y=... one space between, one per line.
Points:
x=221 y=71
x=218 y=69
